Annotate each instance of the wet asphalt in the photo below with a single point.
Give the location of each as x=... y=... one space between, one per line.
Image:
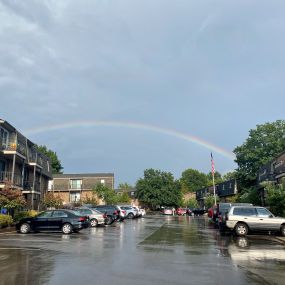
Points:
x=152 y=250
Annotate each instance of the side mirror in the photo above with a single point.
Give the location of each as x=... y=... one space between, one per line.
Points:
x=271 y=216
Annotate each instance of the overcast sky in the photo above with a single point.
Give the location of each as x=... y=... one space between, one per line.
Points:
x=207 y=69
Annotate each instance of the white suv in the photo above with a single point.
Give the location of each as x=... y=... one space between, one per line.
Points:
x=242 y=219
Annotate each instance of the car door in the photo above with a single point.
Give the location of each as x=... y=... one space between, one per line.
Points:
x=267 y=220
x=56 y=220
x=40 y=222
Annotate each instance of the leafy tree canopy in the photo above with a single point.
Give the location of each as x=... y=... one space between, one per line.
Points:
x=159 y=188
x=263 y=144
x=55 y=162
x=218 y=178
x=193 y=180
x=125 y=186
x=105 y=193
x=230 y=175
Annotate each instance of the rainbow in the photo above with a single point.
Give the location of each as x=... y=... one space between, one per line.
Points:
x=133 y=125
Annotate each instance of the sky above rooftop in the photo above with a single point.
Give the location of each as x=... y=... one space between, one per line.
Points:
x=125 y=85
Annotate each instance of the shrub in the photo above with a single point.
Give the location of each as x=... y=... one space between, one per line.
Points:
x=5 y=221
x=25 y=214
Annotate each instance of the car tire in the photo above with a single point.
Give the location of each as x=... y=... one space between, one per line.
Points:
x=93 y=223
x=241 y=229
x=131 y=216
x=109 y=220
x=25 y=228
x=66 y=229
x=282 y=230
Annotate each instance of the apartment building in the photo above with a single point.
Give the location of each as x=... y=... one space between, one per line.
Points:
x=73 y=188
x=22 y=166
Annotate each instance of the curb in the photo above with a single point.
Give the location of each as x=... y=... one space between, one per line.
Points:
x=7 y=230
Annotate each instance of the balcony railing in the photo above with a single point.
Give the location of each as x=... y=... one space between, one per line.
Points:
x=6 y=177
x=13 y=145
x=28 y=185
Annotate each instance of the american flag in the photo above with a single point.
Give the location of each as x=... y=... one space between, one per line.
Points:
x=213 y=164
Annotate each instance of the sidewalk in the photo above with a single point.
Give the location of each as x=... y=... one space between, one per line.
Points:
x=8 y=229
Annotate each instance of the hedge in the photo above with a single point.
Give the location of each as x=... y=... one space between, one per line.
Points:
x=5 y=220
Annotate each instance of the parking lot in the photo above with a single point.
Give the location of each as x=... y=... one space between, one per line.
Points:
x=151 y=250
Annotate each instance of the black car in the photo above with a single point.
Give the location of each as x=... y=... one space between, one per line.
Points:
x=66 y=221
x=112 y=213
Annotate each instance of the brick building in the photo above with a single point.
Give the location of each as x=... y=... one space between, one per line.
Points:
x=75 y=187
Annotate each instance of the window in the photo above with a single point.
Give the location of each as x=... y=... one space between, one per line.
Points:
x=262 y=212
x=244 y=211
x=75 y=184
x=44 y=215
x=48 y=166
x=103 y=181
x=59 y=214
x=74 y=197
x=4 y=135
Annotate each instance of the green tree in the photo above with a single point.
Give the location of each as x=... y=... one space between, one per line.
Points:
x=209 y=201
x=159 y=188
x=193 y=180
x=125 y=186
x=263 y=144
x=124 y=198
x=105 y=193
x=230 y=175
x=55 y=162
x=275 y=197
x=217 y=176
x=192 y=203
x=249 y=195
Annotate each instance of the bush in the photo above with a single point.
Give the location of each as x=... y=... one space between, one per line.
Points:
x=5 y=221
x=25 y=214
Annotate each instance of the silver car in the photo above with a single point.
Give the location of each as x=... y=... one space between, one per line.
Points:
x=95 y=217
x=243 y=219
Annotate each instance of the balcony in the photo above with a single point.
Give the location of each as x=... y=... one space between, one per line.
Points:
x=28 y=185
x=6 y=177
x=13 y=145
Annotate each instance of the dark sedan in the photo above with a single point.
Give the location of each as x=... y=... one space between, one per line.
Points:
x=66 y=221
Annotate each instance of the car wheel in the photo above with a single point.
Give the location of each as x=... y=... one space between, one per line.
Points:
x=25 y=228
x=283 y=230
x=66 y=229
x=93 y=223
x=109 y=220
x=131 y=216
x=241 y=229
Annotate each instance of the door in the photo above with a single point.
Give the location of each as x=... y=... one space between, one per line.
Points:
x=56 y=220
x=40 y=222
x=267 y=221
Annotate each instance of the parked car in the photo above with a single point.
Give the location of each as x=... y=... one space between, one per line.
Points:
x=112 y=213
x=66 y=221
x=222 y=209
x=167 y=211
x=123 y=213
x=198 y=211
x=181 y=211
x=139 y=214
x=95 y=217
x=131 y=212
x=143 y=212
x=242 y=219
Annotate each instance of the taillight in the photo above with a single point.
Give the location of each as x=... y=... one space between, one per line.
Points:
x=82 y=219
x=105 y=216
x=116 y=212
x=124 y=212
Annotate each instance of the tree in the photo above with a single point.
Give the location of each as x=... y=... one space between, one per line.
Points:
x=193 y=180
x=210 y=201
x=159 y=188
x=11 y=198
x=263 y=144
x=125 y=186
x=275 y=197
x=230 y=175
x=52 y=201
x=249 y=195
x=192 y=203
x=55 y=162
x=105 y=193
x=217 y=176
x=124 y=198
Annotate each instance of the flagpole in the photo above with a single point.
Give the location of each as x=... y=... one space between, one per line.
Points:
x=213 y=176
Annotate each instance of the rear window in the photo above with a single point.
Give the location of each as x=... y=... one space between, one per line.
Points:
x=244 y=212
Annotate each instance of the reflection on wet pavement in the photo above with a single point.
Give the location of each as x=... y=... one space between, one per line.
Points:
x=152 y=250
